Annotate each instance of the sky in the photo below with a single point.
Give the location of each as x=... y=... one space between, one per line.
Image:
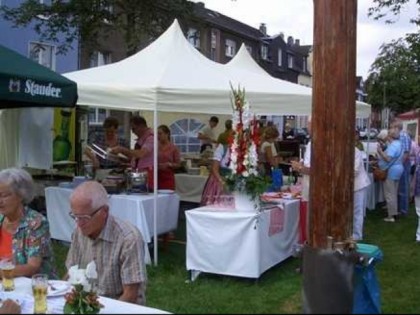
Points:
x=295 y=18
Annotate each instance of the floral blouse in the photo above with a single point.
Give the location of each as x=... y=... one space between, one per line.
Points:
x=32 y=239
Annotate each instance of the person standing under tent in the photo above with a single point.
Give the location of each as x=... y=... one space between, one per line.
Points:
x=207 y=135
x=215 y=184
x=142 y=154
x=223 y=138
x=169 y=159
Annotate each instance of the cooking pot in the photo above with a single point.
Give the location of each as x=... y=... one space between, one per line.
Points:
x=137 y=182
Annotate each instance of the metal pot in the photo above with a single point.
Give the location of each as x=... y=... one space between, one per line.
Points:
x=137 y=182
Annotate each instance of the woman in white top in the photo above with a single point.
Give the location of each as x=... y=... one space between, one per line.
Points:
x=361 y=184
x=214 y=186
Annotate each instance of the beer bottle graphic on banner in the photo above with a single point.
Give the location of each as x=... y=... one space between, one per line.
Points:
x=61 y=143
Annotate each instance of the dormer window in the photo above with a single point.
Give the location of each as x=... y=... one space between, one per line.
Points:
x=290 y=61
x=264 y=52
x=280 y=58
x=193 y=37
x=98 y=58
x=230 y=48
x=249 y=48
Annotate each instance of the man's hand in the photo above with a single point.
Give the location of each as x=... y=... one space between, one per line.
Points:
x=10 y=307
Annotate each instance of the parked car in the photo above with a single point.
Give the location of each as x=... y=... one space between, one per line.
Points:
x=302 y=135
x=363 y=134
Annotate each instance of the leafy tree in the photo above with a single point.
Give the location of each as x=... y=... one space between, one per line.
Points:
x=394 y=77
x=93 y=20
x=393 y=8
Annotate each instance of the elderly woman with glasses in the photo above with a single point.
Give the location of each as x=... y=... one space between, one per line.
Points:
x=116 y=246
x=24 y=233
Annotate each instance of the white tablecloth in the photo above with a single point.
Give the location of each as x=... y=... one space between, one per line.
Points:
x=134 y=208
x=190 y=187
x=238 y=243
x=23 y=291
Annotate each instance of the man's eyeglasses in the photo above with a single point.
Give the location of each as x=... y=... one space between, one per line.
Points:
x=85 y=217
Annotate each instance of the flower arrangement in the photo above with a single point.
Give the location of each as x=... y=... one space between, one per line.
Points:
x=243 y=146
x=83 y=299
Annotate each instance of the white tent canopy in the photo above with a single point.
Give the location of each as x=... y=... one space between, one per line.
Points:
x=171 y=75
x=243 y=63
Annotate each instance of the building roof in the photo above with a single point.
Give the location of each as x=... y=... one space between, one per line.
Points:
x=227 y=23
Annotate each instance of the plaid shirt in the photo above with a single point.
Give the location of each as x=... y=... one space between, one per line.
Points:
x=405 y=141
x=118 y=252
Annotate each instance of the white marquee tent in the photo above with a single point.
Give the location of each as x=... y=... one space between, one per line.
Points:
x=243 y=63
x=171 y=75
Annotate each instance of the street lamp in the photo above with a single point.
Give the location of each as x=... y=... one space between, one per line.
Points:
x=385 y=123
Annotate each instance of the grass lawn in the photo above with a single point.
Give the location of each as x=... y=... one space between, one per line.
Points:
x=277 y=291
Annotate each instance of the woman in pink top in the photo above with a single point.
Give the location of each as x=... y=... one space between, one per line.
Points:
x=169 y=159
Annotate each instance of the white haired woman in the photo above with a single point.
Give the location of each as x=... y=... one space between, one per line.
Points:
x=390 y=158
x=24 y=233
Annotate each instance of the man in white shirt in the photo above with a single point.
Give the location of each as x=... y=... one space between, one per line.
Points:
x=207 y=135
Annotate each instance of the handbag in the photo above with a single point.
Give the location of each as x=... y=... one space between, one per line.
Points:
x=380 y=175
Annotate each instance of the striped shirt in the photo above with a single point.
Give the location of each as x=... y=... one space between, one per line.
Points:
x=118 y=252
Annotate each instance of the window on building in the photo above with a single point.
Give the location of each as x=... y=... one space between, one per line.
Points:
x=264 y=52
x=280 y=57
x=97 y=116
x=98 y=58
x=184 y=135
x=249 y=48
x=290 y=61
x=213 y=45
x=193 y=37
x=230 y=48
x=43 y=53
x=304 y=65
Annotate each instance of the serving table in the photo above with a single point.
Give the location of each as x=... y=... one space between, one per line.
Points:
x=190 y=187
x=23 y=294
x=243 y=244
x=134 y=208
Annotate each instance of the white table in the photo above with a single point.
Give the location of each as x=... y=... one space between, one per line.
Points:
x=23 y=291
x=134 y=208
x=238 y=243
x=190 y=187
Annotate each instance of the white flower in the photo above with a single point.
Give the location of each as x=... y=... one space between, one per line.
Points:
x=83 y=276
x=91 y=270
x=76 y=275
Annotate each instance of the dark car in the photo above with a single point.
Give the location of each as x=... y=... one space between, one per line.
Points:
x=302 y=135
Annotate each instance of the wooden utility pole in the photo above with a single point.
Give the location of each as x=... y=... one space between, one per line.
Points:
x=327 y=266
x=333 y=121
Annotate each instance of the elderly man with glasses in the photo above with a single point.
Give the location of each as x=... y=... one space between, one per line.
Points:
x=116 y=246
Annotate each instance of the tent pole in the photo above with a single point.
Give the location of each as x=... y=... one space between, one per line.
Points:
x=155 y=183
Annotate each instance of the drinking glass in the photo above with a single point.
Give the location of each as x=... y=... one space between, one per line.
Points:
x=7 y=266
x=40 y=291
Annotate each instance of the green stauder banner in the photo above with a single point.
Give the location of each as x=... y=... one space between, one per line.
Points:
x=25 y=83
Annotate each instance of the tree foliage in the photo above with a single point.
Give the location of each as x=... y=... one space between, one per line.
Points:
x=394 y=77
x=63 y=21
